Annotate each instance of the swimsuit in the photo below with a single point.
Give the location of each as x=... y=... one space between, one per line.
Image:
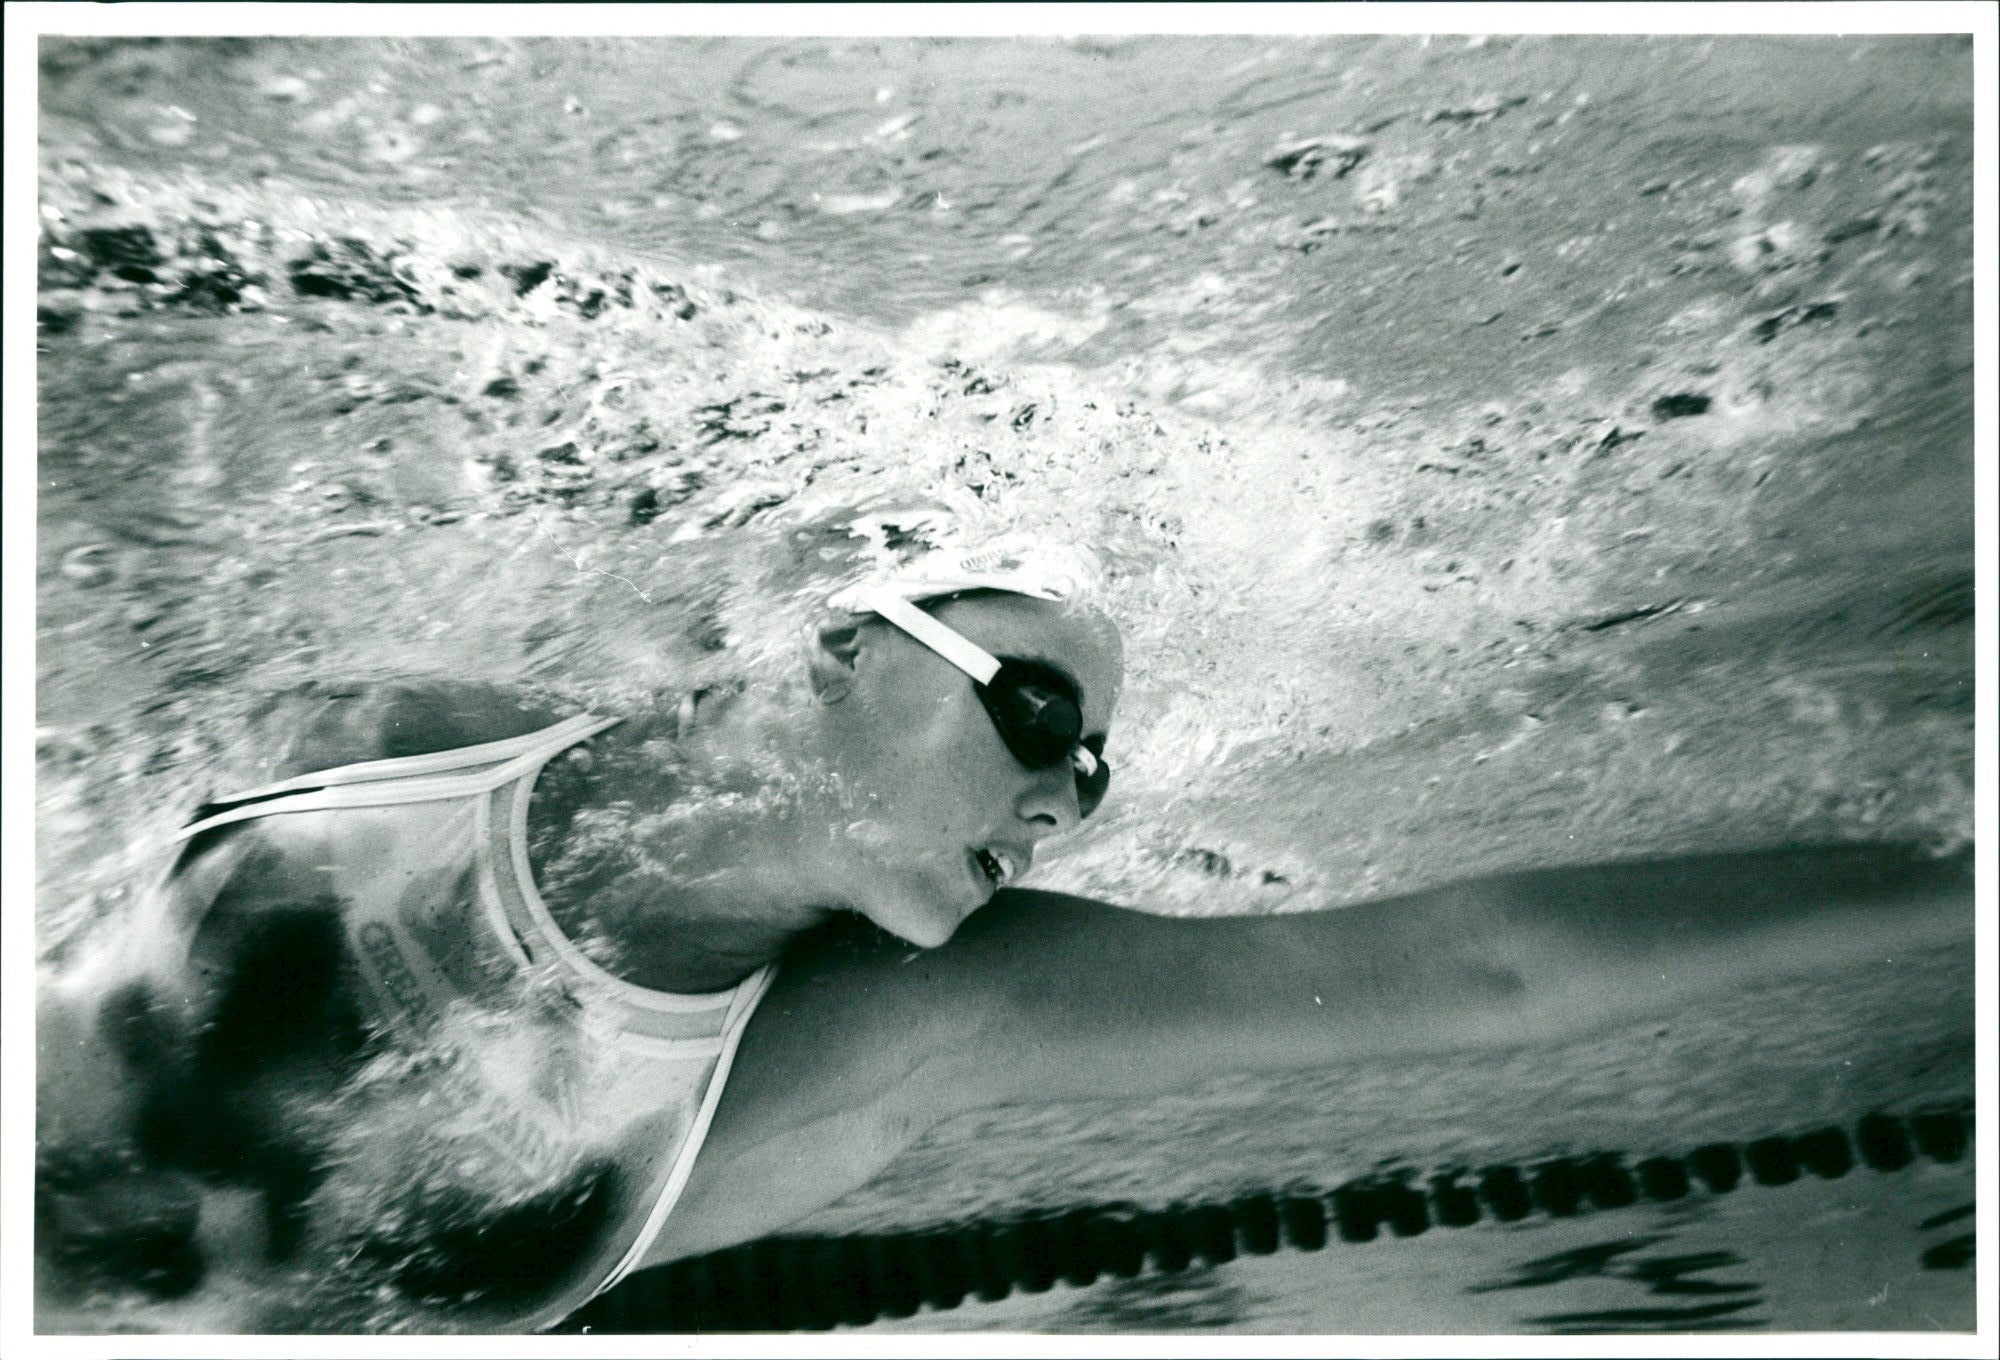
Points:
x=428 y=857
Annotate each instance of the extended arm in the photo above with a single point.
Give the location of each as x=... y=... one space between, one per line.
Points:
x=1043 y=998
x=1116 y=1003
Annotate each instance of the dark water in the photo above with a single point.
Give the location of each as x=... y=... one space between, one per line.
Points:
x=1510 y=451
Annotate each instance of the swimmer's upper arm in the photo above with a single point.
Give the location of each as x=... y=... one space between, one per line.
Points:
x=854 y=1051
x=860 y=1047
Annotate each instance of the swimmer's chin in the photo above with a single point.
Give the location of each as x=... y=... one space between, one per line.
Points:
x=923 y=939
x=927 y=930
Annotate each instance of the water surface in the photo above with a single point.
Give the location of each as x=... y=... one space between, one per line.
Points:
x=1510 y=452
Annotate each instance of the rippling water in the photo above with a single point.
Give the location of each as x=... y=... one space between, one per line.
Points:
x=1512 y=451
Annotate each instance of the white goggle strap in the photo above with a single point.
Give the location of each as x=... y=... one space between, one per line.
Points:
x=954 y=647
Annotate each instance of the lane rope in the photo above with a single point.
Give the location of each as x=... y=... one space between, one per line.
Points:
x=798 y=1283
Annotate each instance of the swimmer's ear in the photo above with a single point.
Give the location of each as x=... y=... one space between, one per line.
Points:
x=830 y=659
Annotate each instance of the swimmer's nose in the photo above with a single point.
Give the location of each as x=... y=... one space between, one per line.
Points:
x=1049 y=803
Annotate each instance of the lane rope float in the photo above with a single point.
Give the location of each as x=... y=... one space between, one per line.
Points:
x=797 y=1283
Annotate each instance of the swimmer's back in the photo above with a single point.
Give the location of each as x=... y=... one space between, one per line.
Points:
x=323 y=726
x=327 y=725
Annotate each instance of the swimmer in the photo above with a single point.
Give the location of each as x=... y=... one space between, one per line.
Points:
x=474 y=1009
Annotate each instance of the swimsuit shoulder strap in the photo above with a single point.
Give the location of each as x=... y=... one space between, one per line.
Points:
x=463 y=772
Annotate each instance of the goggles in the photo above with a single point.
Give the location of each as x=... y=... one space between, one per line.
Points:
x=1034 y=707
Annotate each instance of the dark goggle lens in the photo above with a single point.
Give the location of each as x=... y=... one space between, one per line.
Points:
x=1035 y=712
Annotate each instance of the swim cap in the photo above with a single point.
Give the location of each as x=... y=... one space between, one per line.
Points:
x=1018 y=564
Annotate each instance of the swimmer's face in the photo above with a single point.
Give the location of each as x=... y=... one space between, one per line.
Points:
x=930 y=798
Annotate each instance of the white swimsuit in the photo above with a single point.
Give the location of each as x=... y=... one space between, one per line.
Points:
x=428 y=855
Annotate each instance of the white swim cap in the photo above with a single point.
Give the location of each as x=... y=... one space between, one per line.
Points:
x=1018 y=564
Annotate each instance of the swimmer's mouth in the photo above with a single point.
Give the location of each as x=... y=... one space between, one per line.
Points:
x=999 y=866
